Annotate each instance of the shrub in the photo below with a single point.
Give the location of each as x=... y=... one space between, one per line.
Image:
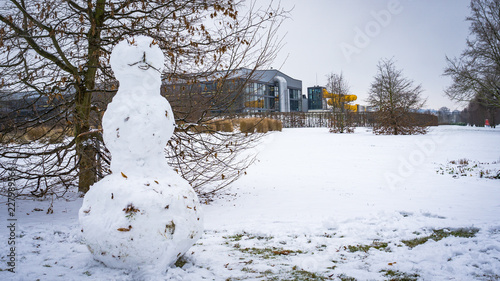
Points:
x=278 y=125
x=248 y=125
x=259 y=125
x=263 y=126
x=275 y=125
x=224 y=126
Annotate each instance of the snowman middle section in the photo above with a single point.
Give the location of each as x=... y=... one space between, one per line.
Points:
x=136 y=131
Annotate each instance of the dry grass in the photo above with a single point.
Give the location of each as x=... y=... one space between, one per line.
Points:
x=214 y=126
x=224 y=126
x=259 y=125
x=275 y=125
x=36 y=133
x=57 y=135
x=262 y=126
x=40 y=133
x=247 y=125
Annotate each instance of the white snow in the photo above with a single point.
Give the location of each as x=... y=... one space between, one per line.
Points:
x=310 y=200
x=143 y=216
x=139 y=121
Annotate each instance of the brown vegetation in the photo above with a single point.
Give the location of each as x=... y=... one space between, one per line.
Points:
x=224 y=126
x=42 y=134
x=248 y=125
x=259 y=125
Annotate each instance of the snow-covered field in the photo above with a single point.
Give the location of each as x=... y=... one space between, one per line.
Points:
x=315 y=206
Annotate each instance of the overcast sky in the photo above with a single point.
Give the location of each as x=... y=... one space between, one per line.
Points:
x=351 y=36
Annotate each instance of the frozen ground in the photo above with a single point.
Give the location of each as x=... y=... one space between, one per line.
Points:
x=316 y=206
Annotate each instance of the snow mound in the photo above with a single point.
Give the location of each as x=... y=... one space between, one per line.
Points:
x=135 y=223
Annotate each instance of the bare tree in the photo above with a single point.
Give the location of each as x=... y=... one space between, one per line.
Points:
x=55 y=72
x=476 y=114
x=444 y=115
x=339 y=98
x=476 y=73
x=397 y=99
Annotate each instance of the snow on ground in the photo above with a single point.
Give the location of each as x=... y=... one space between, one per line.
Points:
x=315 y=206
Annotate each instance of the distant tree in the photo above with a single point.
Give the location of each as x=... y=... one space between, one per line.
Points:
x=476 y=114
x=55 y=65
x=476 y=73
x=444 y=110
x=397 y=99
x=444 y=115
x=339 y=98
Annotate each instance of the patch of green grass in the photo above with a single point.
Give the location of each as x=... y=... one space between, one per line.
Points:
x=365 y=248
x=240 y=236
x=180 y=262
x=358 y=248
x=321 y=247
x=294 y=275
x=234 y=238
x=303 y=275
x=344 y=277
x=258 y=237
x=269 y=253
x=333 y=266
x=399 y=276
x=439 y=234
x=249 y=270
x=87 y=273
x=488 y=276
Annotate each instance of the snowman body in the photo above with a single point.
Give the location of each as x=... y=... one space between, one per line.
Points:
x=137 y=143
x=143 y=216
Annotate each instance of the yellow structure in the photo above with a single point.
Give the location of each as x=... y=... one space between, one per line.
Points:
x=337 y=100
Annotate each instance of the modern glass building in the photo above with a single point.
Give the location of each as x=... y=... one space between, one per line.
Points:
x=271 y=90
x=315 y=98
x=242 y=91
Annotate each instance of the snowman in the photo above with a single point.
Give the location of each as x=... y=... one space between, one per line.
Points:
x=143 y=216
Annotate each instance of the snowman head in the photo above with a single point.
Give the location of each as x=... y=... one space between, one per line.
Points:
x=137 y=57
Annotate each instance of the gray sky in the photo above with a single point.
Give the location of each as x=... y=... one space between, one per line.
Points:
x=325 y=36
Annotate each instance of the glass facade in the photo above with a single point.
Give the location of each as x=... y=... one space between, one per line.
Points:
x=260 y=93
x=295 y=100
x=261 y=97
x=315 y=98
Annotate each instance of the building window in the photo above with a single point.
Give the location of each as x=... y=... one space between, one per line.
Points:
x=260 y=97
x=315 y=98
x=295 y=100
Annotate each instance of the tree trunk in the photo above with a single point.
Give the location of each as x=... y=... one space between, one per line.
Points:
x=86 y=149
x=492 y=112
